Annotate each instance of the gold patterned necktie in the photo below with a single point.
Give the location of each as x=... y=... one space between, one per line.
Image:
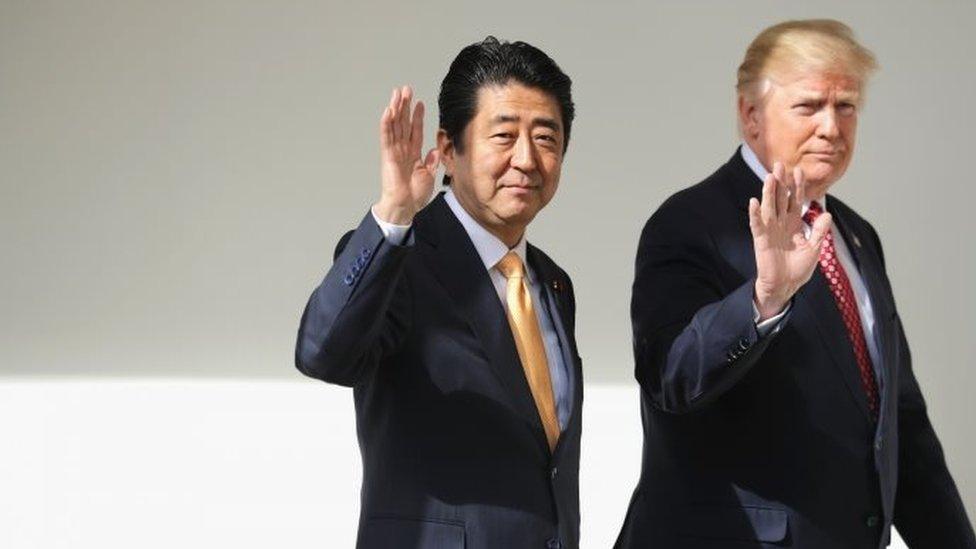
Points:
x=528 y=341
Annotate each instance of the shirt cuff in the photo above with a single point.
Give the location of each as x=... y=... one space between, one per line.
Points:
x=772 y=324
x=391 y=232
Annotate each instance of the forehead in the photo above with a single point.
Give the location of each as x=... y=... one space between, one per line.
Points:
x=515 y=100
x=820 y=84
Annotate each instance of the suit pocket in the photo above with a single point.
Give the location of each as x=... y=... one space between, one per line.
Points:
x=736 y=523
x=410 y=533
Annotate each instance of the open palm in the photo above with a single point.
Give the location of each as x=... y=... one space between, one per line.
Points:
x=407 y=180
x=785 y=258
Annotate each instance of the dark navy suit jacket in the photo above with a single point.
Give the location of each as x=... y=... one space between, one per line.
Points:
x=756 y=442
x=454 y=453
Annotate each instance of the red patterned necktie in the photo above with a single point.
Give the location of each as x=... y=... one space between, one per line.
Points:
x=840 y=287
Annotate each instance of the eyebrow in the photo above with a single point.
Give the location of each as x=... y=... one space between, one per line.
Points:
x=543 y=121
x=851 y=97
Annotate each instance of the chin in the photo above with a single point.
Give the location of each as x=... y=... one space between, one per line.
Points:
x=821 y=176
x=520 y=212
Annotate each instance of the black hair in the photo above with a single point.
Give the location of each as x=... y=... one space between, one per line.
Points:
x=493 y=62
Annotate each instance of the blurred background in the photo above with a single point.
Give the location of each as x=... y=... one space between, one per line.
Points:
x=174 y=176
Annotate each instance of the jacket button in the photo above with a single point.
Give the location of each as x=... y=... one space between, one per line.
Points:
x=361 y=261
x=878 y=445
x=743 y=344
x=553 y=544
x=365 y=252
x=349 y=280
x=871 y=521
x=553 y=472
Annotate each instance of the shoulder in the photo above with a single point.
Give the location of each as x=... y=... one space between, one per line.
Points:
x=549 y=271
x=692 y=210
x=545 y=262
x=849 y=216
x=856 y=222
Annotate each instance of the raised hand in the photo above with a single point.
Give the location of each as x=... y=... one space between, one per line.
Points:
x=785 y=258
x=407 y=180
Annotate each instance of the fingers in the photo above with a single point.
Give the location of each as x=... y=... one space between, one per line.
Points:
x=782 y=198
x=801 y=187
x=386 y=128
x=398 y=125
x=755 y=219
x=395 y=115
x=417 y=129
x=798 y=181
x=387 y=133
x=768 y=205
x=821 y=226
x=432 y=160
x=394 y=100
x=779 y=170
x=406 y=97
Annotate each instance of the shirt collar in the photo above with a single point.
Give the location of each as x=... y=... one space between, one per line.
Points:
x=489 y=247
x=751 y=160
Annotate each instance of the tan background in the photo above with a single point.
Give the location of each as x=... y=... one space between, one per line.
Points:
x=173 y=175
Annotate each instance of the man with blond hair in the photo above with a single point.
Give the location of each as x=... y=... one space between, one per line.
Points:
x=778 y=399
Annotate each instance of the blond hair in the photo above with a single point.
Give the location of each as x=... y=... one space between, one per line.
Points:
x=802 y=46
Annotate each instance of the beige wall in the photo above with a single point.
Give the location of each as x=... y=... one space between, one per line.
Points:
x=175 y=174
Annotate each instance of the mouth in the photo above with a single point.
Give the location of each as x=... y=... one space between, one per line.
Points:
x=521 y=188
x=824 y=154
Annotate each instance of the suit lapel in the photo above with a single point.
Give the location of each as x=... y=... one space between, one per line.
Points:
x=554 y=289
x=462 y=273
x=816 y=306
x=869 y=267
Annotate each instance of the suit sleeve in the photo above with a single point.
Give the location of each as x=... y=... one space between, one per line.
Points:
x=928 y=509
x=359 y=313
x=694 y=337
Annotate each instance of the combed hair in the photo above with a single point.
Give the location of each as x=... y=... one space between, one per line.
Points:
x=803 y=45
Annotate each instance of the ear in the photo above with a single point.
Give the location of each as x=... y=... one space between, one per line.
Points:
x=749 y=114
x=446 y=148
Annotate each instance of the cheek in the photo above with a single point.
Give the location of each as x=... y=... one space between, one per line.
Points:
x=550 y=164
x=848 y=131
x=551 y=176
x=494 y=166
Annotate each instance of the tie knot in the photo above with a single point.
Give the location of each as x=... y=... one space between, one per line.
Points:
x=511 y=266
x=813 y=212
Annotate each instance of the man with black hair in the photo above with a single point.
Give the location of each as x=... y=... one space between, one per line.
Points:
x=456 y=335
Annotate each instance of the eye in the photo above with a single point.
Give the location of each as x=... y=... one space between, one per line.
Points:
x=546 y=137
x=846 y=109
x=503 y=137
x=805 y=108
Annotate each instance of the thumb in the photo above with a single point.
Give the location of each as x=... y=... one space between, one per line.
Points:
x=819 y=231
x=432 y=160
x=821 y=226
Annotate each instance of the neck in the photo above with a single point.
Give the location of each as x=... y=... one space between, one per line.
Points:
x=760 y=152
x=509 y=233
x=510 y=236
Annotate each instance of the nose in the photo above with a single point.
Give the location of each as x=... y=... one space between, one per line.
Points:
x=827 y=129
x=523 y=157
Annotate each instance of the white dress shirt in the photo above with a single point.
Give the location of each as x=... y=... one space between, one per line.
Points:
x=843 y=255
x=491 y=250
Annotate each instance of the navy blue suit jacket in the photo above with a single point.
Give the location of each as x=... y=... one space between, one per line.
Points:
x=767 y=442
x=454 y=453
